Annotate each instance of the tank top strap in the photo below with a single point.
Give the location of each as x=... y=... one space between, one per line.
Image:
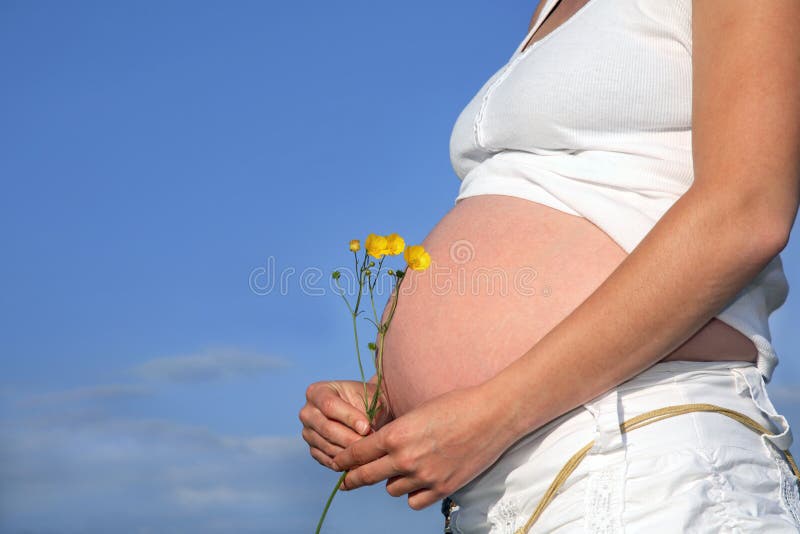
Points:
x=549 y=5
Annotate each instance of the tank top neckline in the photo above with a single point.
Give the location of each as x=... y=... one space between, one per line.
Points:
x=548 y=7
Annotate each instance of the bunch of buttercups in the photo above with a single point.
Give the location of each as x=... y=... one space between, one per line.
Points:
x=368 y=269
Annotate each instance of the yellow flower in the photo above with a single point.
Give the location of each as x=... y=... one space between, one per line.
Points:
x=395 y=244
x=376 y=246
x=355 y=245
x=417 y=258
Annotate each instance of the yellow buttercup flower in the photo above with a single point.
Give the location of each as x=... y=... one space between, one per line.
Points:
x=355 y=245
x=395 y=244
x=377 y=246
x=417 y=258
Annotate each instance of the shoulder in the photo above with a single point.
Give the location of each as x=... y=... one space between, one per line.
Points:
x=746 y=100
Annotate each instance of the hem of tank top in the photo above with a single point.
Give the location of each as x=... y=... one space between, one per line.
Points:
x=525 y=193
x=542 y=198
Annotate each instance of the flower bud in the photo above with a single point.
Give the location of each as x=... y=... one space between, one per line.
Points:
x=355 y=245
x=335 y=275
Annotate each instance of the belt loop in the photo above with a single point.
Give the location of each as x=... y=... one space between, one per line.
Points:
x=607 y=467
x=606 y=412
x=750 y=380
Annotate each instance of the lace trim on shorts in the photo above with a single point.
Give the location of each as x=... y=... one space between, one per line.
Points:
x=607 y=465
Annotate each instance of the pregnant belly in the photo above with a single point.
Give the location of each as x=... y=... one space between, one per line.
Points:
x=505 y=271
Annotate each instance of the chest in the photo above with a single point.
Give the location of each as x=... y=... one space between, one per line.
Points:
x=615 y=67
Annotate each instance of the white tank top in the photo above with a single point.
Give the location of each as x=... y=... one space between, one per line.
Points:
x=595 y=119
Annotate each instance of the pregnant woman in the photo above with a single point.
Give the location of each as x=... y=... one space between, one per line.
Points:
x=589 y=351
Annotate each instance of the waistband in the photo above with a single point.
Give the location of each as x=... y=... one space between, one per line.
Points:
x=668 y=370
x=661 y=374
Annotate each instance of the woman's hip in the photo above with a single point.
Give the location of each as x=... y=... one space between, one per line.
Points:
x=652 y=452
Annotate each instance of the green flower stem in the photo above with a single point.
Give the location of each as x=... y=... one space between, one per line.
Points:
x=341 y=294
x=371 y=287
x=330 y=499
x=360 y=366
x=382 y=334
x=354 y=314
x=360 y=284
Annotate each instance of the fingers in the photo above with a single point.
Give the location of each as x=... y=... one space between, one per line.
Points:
x=400 y=485
x=328 y=399
x=361 y=452
x=330 y=430
x=369 y=474
x=420 y=494
x=316 y=441
x=323 y=458
x=422 y=498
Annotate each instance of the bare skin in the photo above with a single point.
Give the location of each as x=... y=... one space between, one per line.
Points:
x=445 y=337
x=736 y=217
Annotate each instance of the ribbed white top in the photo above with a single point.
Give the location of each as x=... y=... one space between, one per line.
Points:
x=595 y=119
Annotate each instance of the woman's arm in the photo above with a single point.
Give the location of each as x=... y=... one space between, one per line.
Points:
x=710 y=244
x=735 y=218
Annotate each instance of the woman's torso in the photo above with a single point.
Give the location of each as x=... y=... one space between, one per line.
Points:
x=506 y=271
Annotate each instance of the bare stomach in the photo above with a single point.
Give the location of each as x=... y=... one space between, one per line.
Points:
x=505 y=271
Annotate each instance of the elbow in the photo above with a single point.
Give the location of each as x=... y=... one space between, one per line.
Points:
x=777 y=235
x=769 y=234
x=757 y=225
x=774 y=219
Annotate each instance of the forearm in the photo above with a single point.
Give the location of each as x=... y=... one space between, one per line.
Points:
x=686 y=270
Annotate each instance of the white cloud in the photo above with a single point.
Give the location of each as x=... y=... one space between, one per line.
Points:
x=176 y=473
x=208 y=365
x=106 y=392
x=96 y=473
x=76 y=460
x=220 y=496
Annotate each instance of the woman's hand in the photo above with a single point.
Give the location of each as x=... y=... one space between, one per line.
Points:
x=433 y=450
x=334 y=417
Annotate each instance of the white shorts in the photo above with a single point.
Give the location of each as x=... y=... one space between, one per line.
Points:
x=693 y=472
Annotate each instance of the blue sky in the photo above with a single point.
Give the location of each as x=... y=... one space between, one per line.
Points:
x=155 y=158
